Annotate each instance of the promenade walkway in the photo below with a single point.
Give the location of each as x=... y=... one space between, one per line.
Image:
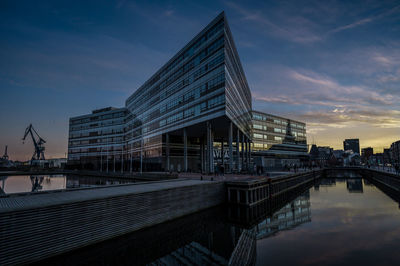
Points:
x=16 y=202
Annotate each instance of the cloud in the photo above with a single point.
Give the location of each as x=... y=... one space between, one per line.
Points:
x=353 y=25
x=317 y=89
x=295 y=29
x=364 y=21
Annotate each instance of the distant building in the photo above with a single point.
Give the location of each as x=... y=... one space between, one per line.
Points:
x=96 y=140
x=387 y=156
x=278 y=141
x=321 y=155
x=352 y=144
x=377 y=159
x=337 y=157
x=395 y=152
x=366 y=153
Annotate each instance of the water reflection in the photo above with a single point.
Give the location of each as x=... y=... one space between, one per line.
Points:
x=293 y=214
x=347 y=228
x=36 y=183
x=354 y=185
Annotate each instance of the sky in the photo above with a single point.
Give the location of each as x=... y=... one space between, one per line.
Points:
x=332 y=64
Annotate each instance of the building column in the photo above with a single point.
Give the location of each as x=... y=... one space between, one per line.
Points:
x=114 y=159
x=207 y=153
x=122 y=160
x=237 y=151
x=107 y=158
x=212 y=149
x=230 y=147
x=246 y=153
x=131 y=150
x=201 y=154
x=101 y=159
x=222 y=153
x=141 y=156
x=243 y=165
x=185 y=162
x=250 y=165
x=210 y=155
x=167 y=150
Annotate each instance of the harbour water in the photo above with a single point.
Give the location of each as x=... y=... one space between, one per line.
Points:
x=334 y=222
x=37 y=183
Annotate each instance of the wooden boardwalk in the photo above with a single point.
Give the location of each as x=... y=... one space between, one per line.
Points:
x=17 y=202
x=37 y=226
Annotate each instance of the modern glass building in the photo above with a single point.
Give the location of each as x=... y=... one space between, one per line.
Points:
x=96 y=140
x=278 y=141
x=194 y=114
x=352 y=144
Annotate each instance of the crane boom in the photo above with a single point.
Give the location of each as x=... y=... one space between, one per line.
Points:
x=38 y=144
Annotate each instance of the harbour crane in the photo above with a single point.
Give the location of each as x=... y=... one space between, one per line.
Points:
x=5 y=156
x=39 y=148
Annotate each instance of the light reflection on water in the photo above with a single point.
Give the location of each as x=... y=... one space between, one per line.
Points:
x=352 y=223
x=335 y=222
x=36 y=183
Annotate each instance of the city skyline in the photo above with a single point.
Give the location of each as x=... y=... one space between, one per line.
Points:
x=63 y=61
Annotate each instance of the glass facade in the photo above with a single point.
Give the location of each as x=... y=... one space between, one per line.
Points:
x=277 y=141
x=96 y=139
x=176 y=119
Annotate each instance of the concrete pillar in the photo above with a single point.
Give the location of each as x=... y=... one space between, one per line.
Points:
x=212 y=150
x=237 y=151
x=250 y=165
x=222 y=153
x=208 y=137
x=141 y=156
x=107 y=158
x=243 y=163
x=131 y=150
x=185 y=162
x=114 y=160
x=167 y=151
x=122 y=160
x=101 y=159
x=247 y=153
x=202 y=155
x=230 y=147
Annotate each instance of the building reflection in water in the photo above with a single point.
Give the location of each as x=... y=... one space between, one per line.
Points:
x=354 y=185
x=291 y=215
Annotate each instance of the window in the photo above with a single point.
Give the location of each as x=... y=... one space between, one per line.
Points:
x=189 y=112
x=216 y=101
x=257 y=117
x=278 y=138
x=256 y=126
x=258 y=136
x=277 y=130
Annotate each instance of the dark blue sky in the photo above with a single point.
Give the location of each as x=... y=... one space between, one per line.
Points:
x=332 y=64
